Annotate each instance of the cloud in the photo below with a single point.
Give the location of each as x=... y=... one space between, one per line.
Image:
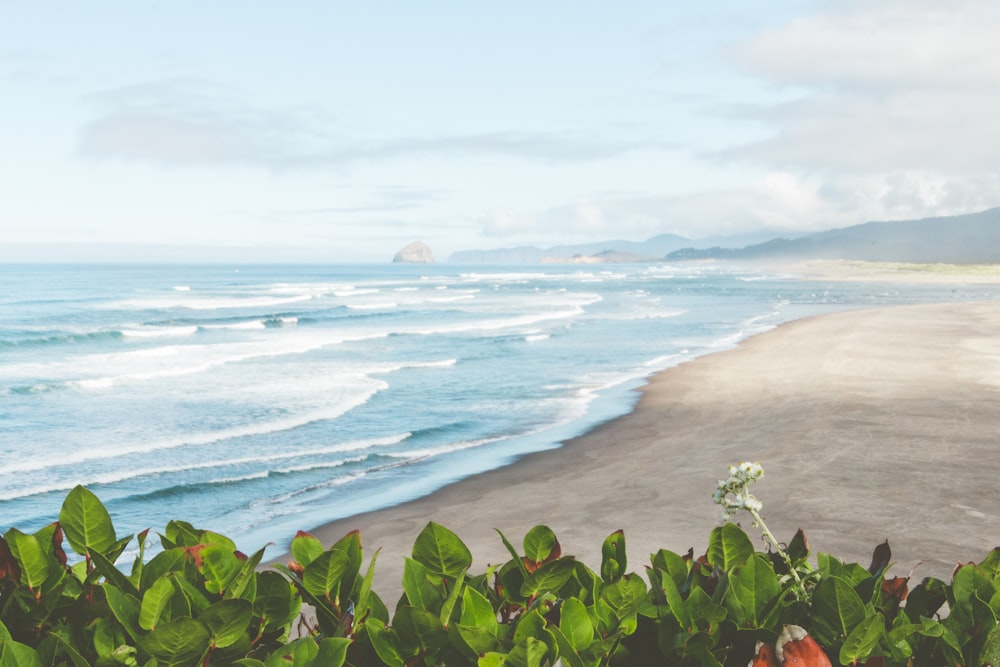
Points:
x=895 y=109
x=190 y=123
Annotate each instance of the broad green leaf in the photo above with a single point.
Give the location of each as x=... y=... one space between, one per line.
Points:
x=990 y=654
x=418 y=629
x=549 y=578
x=276 y=604
x=171 y=560
x=754 y=585
x=613 y=560
x=154 y=601
x=350 y=546
x=492 y=660
x=86 y=523
x=180 y=534
x=306 y=548
x=569 y=656
x=182 y=642
x=219 y=566
x=418 y=590
x=30 y=557
x=671 y=563
x=67 y=646
x=227 y=621
x=218 y=539
x=246 y=578
x=971 y=582
x=385 y=643
x=529 y=653
x=125 y=608
x=473 y=641
x=323 y=576
x=441 y=551
x=728 y=546
x=140 y=559
x=675 y=601
x=862 y=640
x=477 y=611
x=332 y=652
x=575 y=623
x=837 y=608
x=540 y=545
x=15 y=654
x=532 y=624
x=193 y=598
x=626 y=595
x=298 y=653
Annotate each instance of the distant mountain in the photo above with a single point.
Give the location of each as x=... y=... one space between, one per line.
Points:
x=973 y=238
x=651 y=249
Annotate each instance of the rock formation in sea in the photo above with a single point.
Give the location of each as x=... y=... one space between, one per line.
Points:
x=415 y=253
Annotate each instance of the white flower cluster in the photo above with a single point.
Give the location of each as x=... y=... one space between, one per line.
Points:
x=733 y=493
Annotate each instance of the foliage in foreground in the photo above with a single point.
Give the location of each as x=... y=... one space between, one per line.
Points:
x=201 y=602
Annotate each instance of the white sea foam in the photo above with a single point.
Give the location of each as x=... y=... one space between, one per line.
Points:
x=182 y=288
x=534 y=338
x=159 y=332
x=206 y=302
x=252 y=324
x=288 y=423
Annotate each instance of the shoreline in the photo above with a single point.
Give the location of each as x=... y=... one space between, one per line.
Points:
x=870 y=424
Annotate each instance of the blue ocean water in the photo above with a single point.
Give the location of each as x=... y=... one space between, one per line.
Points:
x=260 y=400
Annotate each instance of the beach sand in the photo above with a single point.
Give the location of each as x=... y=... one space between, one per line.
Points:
x=870 y=425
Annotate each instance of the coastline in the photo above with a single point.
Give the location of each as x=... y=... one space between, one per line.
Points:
x=870 y=424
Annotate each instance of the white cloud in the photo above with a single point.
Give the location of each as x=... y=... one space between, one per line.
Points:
x=896 y=110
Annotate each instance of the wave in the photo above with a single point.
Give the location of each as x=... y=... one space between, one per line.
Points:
x=204 y=438
x=182 y=288
x=534 y=338
x=159 y=332
x=252 y=324
x=383 y=305
x=60 y=338
x=130 y=474
x=205 y=303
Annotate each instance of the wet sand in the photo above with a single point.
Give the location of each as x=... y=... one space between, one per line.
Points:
x=870 y=425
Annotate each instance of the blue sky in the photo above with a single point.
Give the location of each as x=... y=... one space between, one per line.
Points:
x=342 y=131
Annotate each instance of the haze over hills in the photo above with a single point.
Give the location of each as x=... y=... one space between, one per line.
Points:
x=651 y=249
x=972 y=238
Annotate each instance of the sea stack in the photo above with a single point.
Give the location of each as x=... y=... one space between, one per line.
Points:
x=415 y=253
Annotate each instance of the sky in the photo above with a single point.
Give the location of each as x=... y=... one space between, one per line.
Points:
x=341 y=131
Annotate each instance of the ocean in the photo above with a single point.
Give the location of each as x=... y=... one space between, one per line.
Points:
x=260 y=400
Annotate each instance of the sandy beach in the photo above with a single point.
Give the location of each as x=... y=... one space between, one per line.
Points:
x=870 y=425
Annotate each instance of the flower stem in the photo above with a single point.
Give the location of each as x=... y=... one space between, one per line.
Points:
x=800 y=588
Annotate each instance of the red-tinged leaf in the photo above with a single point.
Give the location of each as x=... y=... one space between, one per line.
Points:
x=194 y=553
x=764 y=657
x=881 y=558
x=895 y=589
x=240 y=556
x=296 y=567
x=57 y=547
x=795 y=648
x=8 y=564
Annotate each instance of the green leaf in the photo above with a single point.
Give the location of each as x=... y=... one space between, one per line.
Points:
x=418 y=590
x=332 y=652
x=515 y=557
x=227 y=621
x=30 y=556
x=154 y=602
x=728 y=546
x=671 y=563
x=111 y=574
x=86 y=523
x=477 y=611
x=14 y=654
x=180 y=534
x=613 y=560
x=276 y=604
x=575 y=623
x=837 y=608
x=306 y=548
x=245 y=579
x=298 y=653
x=863 y=639
x=182 y=642
x=219 y=566
x=473 y=641
x=385 y=643
x=626 y=595
x=365 y=595
x=419 y=630
x=125 y=609
x=322 y=576
x=441 y=551
x=754 y=585
x=492 y=660
x=549 y=578
x=448 y=606
x=540 y=546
